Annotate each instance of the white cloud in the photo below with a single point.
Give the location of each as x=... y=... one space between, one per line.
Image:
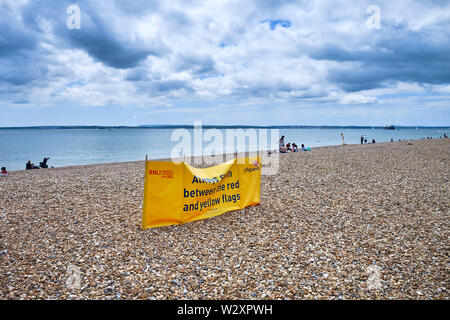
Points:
x=357 y=99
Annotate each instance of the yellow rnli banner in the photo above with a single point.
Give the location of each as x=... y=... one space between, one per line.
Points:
x=175 y=193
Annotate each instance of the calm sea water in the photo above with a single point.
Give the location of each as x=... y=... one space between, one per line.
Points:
x=89 y=146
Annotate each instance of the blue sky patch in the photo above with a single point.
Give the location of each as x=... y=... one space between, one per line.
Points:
x=274 y=23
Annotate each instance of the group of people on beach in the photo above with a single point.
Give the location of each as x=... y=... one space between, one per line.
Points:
x=282 y=148
x=364 y=139
x=29 y=166
x=42 y=164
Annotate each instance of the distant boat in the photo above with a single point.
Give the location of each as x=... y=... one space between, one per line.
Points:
x=391 y=127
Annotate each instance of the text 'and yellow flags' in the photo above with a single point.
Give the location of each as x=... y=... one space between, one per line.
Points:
x=175 y=193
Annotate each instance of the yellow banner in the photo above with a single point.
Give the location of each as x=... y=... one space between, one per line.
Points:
x=175 y=193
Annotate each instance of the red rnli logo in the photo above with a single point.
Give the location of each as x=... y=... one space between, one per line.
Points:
x=163 y=173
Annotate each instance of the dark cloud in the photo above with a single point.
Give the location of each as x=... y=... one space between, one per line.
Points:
x=173 y=85
x=14 y=38
x=197 y=64
x=105 y=48
x=21 y=60
x=178 y=19
x=163 y=87
x=99 y=36
x=396 y=54
x=21 y=101
x=137 y=74
x=25 y=71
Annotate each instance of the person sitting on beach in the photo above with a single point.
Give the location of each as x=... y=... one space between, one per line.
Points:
x=4 y=172
x=43 y=164
x=288 y=147
x=283 y=149
x=30 y=165
x=303 y=148
x=373 y=140
x=294 y=147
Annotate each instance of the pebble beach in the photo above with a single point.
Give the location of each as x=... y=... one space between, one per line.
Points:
x=342 y=222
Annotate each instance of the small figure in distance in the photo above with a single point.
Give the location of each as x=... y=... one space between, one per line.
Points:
x=362 y=139
x=280 y=143
x=294 y=147
x=4 y=172
x=30 y=165
x=43 y=164
x=283 y=149
x=288 y=147
x=303 y=148
x=373 y=140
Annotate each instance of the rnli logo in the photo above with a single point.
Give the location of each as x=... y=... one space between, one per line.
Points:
x=253 y=167
x=168 y=174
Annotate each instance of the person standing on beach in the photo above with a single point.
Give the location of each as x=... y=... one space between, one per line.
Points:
x=280 y=143
x=365 y=139
x=343 y=141
x=362 y=139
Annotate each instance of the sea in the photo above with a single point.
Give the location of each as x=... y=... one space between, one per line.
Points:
x=68 y=146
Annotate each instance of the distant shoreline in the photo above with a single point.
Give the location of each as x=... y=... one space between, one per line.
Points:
x=222 y=127
x=64 y=148
x=193 y=158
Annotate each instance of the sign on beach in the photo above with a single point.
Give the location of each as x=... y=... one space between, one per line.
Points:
x=176 y=193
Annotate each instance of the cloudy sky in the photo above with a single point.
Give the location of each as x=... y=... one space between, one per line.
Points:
x=224 y=62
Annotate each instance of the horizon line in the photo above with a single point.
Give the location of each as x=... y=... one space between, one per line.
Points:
x=166 y=126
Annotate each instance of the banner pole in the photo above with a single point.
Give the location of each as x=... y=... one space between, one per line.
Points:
x=144 y=204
